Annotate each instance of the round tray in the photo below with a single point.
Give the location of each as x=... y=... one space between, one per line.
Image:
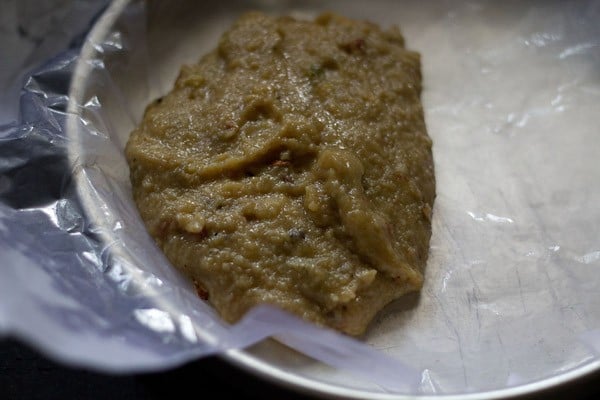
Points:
x=180 y=33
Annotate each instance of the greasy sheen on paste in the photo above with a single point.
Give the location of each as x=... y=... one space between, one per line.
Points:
x=292 y=166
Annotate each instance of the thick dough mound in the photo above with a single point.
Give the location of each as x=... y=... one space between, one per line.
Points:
x=292 y=166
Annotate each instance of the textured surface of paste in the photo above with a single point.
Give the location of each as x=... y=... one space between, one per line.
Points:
x=292 y=166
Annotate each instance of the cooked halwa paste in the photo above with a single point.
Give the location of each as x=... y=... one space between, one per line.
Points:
x=292 y=166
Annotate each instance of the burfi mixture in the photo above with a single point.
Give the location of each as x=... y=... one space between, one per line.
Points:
x=292 y=166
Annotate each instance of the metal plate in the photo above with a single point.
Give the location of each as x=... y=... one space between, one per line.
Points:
x=182 y=31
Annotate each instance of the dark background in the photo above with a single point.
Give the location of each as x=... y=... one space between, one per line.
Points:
x=26 y=374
